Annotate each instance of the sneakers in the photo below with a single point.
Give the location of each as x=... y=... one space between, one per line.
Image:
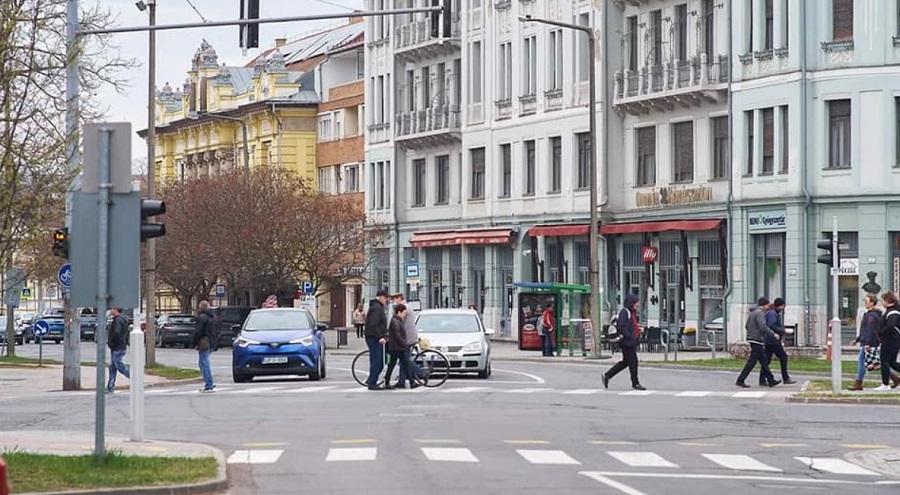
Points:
x=638 y=387
x=205 y=390
x=605 y=380
x=882 y=388
x=742 y=384
x=789 y=381
x=774 y=383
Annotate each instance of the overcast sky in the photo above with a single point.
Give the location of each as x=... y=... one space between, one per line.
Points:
x=175 y=48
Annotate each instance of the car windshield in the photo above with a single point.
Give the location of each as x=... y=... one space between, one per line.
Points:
x=447 y=323
x=277 y=320
x=182 y=320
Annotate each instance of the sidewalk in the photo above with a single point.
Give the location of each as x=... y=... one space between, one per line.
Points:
x=17 y=381
x=886 y=462
x=80 y=443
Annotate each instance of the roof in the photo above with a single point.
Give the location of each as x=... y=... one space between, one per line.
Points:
x=317 y=44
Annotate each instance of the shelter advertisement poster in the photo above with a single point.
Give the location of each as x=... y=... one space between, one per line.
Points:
x=531 y=306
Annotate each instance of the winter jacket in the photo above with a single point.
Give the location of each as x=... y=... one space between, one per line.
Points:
x=359 y=317
x=117 y=340
x=376 y=320
x=773 y=321
x=872 y=322
x=757 y=330
x=625 y=323
x=204 y=321
x=409 y=326
x=396 y=335
x=890 y=330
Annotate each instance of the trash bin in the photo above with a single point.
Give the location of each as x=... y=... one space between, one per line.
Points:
x=342 y=337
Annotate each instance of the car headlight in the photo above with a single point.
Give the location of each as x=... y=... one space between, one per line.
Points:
x=244 y=342
x=472 y=347
x=308 y=340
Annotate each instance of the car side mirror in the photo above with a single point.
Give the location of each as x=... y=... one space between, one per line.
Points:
x=321 y=327
x=489 y=331
x=235 y=328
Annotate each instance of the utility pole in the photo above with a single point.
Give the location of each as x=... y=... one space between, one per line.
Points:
x=150 y=263
x=72 y=340
x=836 y=363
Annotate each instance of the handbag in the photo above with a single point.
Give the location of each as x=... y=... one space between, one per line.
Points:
x=873 y=358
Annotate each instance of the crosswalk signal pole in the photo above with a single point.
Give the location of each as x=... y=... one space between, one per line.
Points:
x=836 y=365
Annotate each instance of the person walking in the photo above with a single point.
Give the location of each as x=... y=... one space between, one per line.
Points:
x=398 y=349
x=548 y=325
x=376 y=333
x=412 y=338
x=202 y=341
x=757 y=332
x=775 y=346
x=890 y=341
x=629 y=331
x=117 y=341
x=359 y=321
x=867 y=338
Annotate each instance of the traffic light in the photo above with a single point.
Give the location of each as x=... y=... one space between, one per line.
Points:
x=61 y=243
x=151 y=208
x=827 y=258
x=249 y=32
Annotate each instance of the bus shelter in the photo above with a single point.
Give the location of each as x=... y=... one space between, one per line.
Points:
x=571 y=313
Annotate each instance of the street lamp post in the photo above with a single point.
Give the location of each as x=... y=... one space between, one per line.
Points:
x=594 y=231
x=231 y=119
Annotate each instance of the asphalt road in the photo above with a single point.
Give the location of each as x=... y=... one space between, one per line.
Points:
x=530 y=428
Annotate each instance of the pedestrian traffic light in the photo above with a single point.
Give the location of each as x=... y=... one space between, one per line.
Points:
x=249 y=33
x=151 y=208
x=61 y=243
x=827 y=258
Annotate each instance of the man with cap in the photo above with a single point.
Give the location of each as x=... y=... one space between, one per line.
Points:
x=757 y=332
x=775 y=346
x=376 y=331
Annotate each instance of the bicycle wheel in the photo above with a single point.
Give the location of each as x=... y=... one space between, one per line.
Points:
x=435 y=365
x=360 y=367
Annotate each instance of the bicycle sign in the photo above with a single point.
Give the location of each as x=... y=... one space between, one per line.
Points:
x=65 y=275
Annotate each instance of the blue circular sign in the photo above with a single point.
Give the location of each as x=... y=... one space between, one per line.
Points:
x=41 y=328
x=65 y=275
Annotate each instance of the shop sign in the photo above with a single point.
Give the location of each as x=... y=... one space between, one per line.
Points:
x=673 y=196
x=649 y=254
x=767 y=220
x=849 y=266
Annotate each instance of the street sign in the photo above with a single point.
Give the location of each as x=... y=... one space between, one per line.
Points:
x=51 y=291
x=65 y=275
x=650 y=254
x=220 y=290
x=306 y=287
x=41 y=328
x=26 y=293
x=412 y=273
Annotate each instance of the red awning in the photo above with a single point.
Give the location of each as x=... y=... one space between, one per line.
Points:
x=569 y=230
x=461 y=237
x=641 y=227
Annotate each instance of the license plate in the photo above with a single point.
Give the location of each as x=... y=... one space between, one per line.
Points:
x=274 y=360
x=184 y=335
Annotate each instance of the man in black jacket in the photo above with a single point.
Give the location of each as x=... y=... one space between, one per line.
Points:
x=117 y=341
x=630 y=332
x=202 y=340
x=376 y=336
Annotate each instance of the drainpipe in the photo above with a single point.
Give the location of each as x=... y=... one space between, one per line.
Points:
x=278 y=130
x=729 y=204
x=804 y=175
x=606 y=105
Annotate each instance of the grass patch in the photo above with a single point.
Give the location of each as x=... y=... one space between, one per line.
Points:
x=171 y=372
x=23 y=362
x=797 y=365
x=46 y=473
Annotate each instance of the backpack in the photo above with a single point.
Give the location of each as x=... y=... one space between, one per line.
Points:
x=885 y=320
x=212 y=330
x=612 y=330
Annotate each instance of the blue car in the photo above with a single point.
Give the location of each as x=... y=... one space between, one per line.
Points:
x=278 y=341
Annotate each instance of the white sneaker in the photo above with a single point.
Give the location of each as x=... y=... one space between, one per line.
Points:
x=882 y=388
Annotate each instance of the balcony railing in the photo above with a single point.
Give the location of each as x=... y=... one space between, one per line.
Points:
x=429 y=121
x=419 y=32
x=671 y=79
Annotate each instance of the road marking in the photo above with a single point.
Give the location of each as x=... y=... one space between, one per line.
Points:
x=155 y=391
x=692 y=394
x=536 y=378
x=699 y=444
x=547 y=457
x=254 y=456
x=627 y=490
x=435 y=440
x=771 y=445
x=449 y=454
x=748 y=395
x=255 y=390
x=740 y=462
x=834 y=466
x=463 y=390
x=527 y=442
x=639 y=392
x=611 y=442
x=642 y=459
x=352 y=454
x=527 y=390
x=623 y=474
x=309 y=389
x=354 y=441
x=864 y=446
x=401 y=415
x=582 y=391
x=257 y=445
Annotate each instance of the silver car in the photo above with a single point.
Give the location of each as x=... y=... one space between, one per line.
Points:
x=460 y=335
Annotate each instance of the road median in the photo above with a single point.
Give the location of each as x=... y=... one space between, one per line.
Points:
x=820 y=392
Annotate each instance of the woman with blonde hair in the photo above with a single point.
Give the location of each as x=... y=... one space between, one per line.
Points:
x=889 y=336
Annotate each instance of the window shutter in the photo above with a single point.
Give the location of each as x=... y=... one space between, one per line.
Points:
x=768 y=132
x=842 y=20
x=720 y=127
x=647 y=141
x=839 y=108
x=684 y=142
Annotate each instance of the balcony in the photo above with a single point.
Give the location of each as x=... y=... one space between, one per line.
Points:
x=432 y=127
x=686 y=83
x=415 y=41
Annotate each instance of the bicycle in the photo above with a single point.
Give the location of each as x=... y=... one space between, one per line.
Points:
x=434 y=363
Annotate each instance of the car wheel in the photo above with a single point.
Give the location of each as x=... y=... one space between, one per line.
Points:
x=322 y=359
x=240 y=377
x=57 y=341
x=317 y=375
x=487 y=371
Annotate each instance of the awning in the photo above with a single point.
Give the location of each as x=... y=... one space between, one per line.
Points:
x=641 y=227
x=570 y=230
x=461 y=237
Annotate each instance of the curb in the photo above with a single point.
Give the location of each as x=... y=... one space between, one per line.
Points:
x=885 y=461
x=167 y=383
x=843 y=400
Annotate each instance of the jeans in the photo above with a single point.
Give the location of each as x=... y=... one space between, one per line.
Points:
x=778 y=351
x=205 y=369
x=360 y=331
x=630 y=361
x=116 y=364
x=376 y=361
x=757 y=355
x=889 y=360
x=547 y=344
x=406 y=370
x=861 y=363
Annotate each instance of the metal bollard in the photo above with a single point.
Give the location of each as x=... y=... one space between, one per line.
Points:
x=137 y=385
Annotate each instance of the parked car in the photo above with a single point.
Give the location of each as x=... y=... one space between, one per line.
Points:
x=25 y=325
x=461 y=336
x=87 y=324
x=175 y=329
x=55 y=317
x=230 y=317
x=20 y=333
x=279 y=341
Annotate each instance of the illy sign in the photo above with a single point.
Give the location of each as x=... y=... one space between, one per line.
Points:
x=650 y=253
x=767 y=220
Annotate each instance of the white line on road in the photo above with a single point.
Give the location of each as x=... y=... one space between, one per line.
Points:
x=547 y=457
x=748 y=395
x=309 y=389
x=449 y=454
x=352 y=454
x=463 y=390
x=582 y=391
x=155 y=391
x=254 y=456
x=692 y=394
x=639 y=392
x=255 y=390
x=536 y=378
x=527 y=390
x=642 y=459
x=402 y=415
x=627 y=490
x=622 y=474
x=834 y=466
x=740 y=462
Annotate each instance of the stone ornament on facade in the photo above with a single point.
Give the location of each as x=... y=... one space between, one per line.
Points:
x=205 y=56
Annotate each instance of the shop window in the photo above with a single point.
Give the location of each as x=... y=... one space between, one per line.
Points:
x=552 y=262
x=434 y=261
x=768 y=266
x=711 y=280
x=583 y=263
x=633 y=268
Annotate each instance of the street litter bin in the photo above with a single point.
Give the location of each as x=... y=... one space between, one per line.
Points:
x=342 y=337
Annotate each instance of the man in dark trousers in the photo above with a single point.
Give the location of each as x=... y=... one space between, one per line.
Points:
x=117 y=341
x=202 y=340
x=757 y=332
x=775 y=346
x=629 y=331
x=376 y=336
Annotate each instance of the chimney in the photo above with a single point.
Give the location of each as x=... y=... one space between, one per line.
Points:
x=280 y=42
x=356 y=19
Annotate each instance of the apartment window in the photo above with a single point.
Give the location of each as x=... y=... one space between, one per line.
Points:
x=442 y=179
x=426 y=87
x=529 y=66
x=646 y=155
x=656 y=36
x=632 y=42
x=555 y=56
x=419 y=182
x=584 y=159
x=506 y=173
x=325 y=127
x=839 y=134
x=457 y=82
x=410 y=90
x=683 y=151
x=382 y=185
x=785 y=139
x=750 y=125
x=749 y=6
x=768 y=154
x=476 y=156
x=897 y=131
x=555 y=164
x=372 y=192
x=785 y=23
x=530 y=178
x=720 y=145
x=583 y=60
x=841 y=20
x=324 y=179
x=504 y=75
x=768 y=269
x=709 y=30
x=351 y=178
x=441 y=83
x=477 y=81
x=770 y=25
x=681 y=31
x=380 y=103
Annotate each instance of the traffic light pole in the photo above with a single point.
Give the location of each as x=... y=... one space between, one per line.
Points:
x=150 y=264
x=836 y=364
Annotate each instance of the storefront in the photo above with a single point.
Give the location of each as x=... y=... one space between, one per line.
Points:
x=767 y=230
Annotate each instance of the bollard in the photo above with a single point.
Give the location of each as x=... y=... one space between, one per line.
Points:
x=137 y=385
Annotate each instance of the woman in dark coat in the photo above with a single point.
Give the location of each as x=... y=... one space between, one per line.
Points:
x=397 y=347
